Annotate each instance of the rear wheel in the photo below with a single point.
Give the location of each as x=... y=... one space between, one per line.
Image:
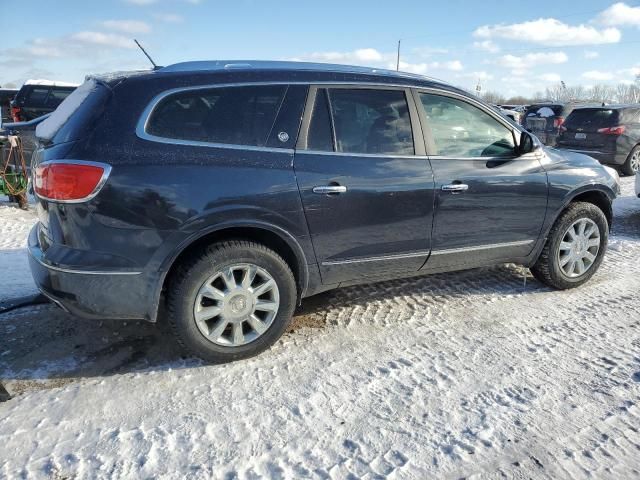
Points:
x=575 y=247
x=232 y=301
x=632 y=164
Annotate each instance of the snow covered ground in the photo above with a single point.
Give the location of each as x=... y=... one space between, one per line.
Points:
x=470 y=374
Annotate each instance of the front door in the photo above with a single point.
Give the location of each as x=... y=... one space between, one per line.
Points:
x=365 y=182
x=490 y=201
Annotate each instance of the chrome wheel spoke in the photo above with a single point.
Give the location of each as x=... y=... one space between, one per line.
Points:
x=590 y=256
x=257 y=324
x=266 y=306
x=264 y=288
x=228 y=279
x=564 y=246
x=207 y=313
x=219 y=328
x=249 y=276
x=238 y=336
x=594 y=242
x=564 y=260
x=212 y=292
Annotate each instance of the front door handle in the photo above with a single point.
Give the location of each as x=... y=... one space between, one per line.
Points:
x=455 y=187
x=329 y=189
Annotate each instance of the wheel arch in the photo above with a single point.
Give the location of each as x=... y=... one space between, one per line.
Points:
x=269 y=235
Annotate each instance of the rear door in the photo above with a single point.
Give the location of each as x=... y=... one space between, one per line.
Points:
x=490 y=202
x=365 y=182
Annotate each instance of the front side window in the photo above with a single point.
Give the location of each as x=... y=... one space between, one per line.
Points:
x=459 y=129
x=371 y=121
x=227 y=115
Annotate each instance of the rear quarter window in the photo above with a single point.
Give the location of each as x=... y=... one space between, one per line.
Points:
x=226 y=115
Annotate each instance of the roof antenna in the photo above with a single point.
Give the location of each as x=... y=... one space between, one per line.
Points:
x=155 y=67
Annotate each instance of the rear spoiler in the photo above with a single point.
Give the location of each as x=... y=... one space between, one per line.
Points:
x=17 y=126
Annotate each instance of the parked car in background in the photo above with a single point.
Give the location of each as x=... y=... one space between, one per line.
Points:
x=610 y=134
x=544 y=120
x=510 y=114
x=230 y=191
x=518 y=109
x=6 y=95
x=37 y=97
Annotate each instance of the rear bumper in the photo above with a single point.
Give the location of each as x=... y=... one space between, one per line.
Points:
x=606 y=158
x=92 y=294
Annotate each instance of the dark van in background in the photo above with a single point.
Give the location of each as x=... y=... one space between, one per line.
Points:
x=37 y=98
x=610 y=134
x=545 y=119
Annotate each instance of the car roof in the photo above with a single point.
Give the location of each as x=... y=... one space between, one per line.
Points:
x=619 y=106
x=248 y=67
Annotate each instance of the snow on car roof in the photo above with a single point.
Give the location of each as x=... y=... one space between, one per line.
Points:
x=51 y=83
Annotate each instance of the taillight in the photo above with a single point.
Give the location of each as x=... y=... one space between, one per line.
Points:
x=557 y=122
x=15 y=114
x=69 y=181
x=619 y=130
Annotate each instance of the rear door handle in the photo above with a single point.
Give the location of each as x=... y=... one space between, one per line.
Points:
x=329 y=189
x=455 y=187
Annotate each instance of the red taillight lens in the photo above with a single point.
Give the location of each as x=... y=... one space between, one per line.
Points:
x=619 y=130
x=15 y=114
x=68 y=181
x=558 y=121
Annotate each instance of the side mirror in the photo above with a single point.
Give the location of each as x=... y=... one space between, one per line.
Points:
x=527 y=144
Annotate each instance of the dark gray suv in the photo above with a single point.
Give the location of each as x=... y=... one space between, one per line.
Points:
x=229 y=191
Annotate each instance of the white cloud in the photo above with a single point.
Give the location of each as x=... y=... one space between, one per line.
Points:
x=481 y=75
x=356 y=56
x=525 y=62
x=629 y=72
x=127 y=26
x=141 y=2
x=169 y=17
x=620 y=14
x=597 y=75
x=590 y=54
x=550 y=77
x=102 y=39
x=487 y=46
x=549 y=31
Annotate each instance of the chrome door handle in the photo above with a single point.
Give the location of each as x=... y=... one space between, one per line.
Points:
x=327 y=189
x=455 y=187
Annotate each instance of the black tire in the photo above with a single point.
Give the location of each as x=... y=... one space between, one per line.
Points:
x=194 y=272
x=547 y=268
x=628 y=167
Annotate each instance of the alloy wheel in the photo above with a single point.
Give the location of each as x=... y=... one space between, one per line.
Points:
x=579 y=248
x=236 y=305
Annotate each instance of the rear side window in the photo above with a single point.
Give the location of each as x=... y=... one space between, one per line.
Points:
x=592 y=118
x=227 y=115
x=57 y=95
x=371 y=121
x=37 y=96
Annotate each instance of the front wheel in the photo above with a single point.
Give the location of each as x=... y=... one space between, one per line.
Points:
x=231 y=301
x=575 y=247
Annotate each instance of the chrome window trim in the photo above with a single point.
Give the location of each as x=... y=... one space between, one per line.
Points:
x=492 y=246
x=141 y=125
x=105 y=176
x=351 y=154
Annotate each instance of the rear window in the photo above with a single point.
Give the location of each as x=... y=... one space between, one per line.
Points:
x=592 y=118
x=76 y=114
x=226 y=115
x=544 y=111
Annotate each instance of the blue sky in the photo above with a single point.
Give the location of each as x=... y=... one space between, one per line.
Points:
x=514 y=47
